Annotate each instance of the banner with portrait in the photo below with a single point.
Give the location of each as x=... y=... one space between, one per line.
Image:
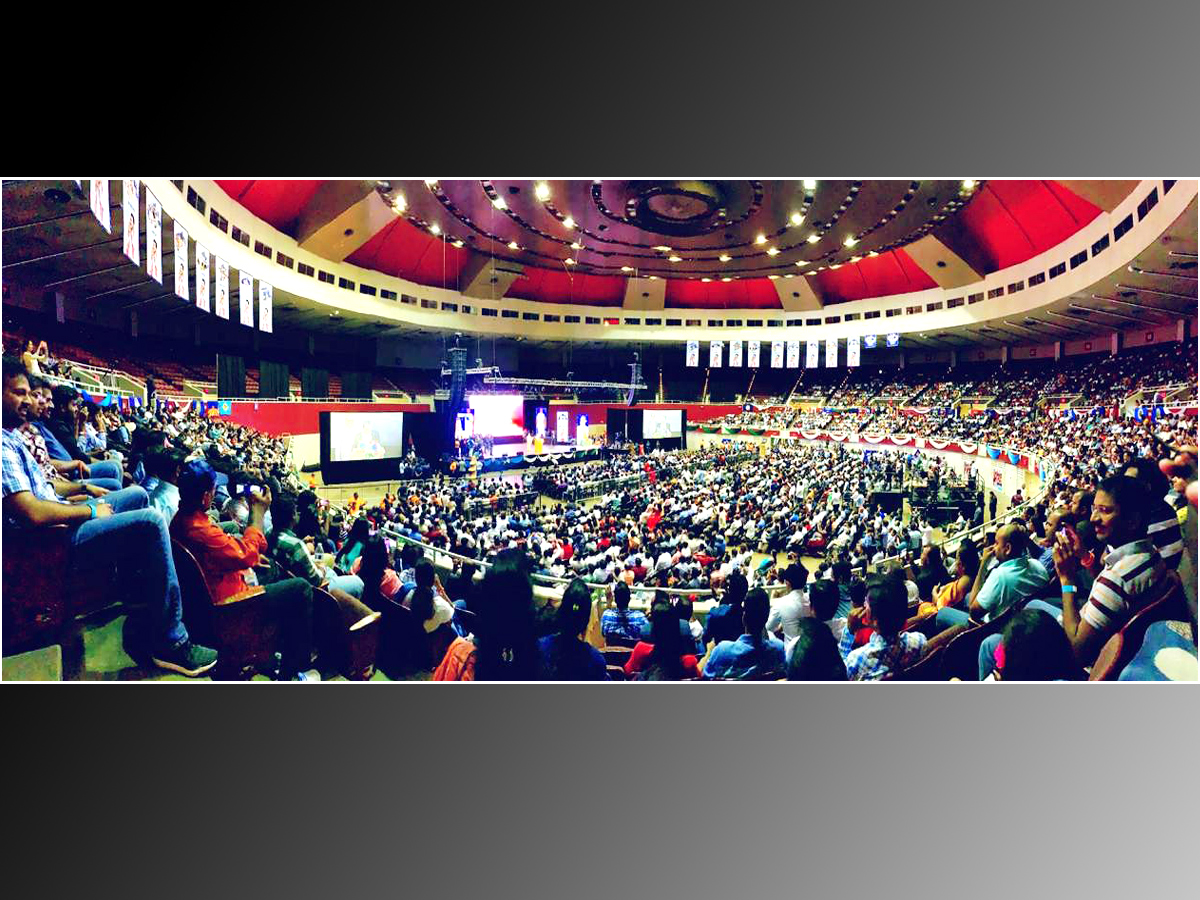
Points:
x=130 y=207
x=246 y=297
x=222 y=269
x=100 y=203
x=181 y=262
x=735 y=354
x=812 y=354
x=153 y=238
x=752 y=354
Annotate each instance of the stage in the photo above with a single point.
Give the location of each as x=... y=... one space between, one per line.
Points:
x=525 y=448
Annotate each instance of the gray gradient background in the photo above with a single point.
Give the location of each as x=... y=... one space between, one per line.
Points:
x=691 y=791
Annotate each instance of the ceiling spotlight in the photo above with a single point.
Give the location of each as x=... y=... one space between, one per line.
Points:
x=802 y=262
x=626 y=268
x=836 y=266
x=810 y=184
x=850 y=241
x=654 y=278
x=662 y=249
x=772 y=251
x=761 y=239
x=773 y=277
x=813 y=238
x=569 y=222
x=873 y=253
x=727 y=279
x=569 y=261
x=499 y=203
x=399 y=204
x=855 y=258
x=435 y=228
x=512 y=245
x=577 y=246
x=542 y=191
x=968 y=184
x=706 y=280
x=458 y=244
x=725 y=257
x=797 y=218
x=431 y=182
x=675 y=259
x=790 y=275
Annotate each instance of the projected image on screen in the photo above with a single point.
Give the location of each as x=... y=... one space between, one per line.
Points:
x=498 y=415
x=662 y=423
x=361 y=436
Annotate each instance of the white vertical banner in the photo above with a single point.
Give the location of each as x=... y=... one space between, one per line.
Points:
x=153 y=237
x=776 y=354
x=735 y=354
x=793 y=354
x=693 y=353
x=246 y=297
x=266 y=295
x=811 y=354
x=181 y=262
x=100 y=202
x=222 y=269
x=131 y=206
x=852 y=351
x=714 y=354
x=752 y=354
x=202 y=260
x=831 y=349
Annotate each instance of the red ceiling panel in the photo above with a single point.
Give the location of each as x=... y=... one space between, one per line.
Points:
x=888 y=273
x=550 y=286
x=752 y=293
x=275 y=202
x=1012 y=221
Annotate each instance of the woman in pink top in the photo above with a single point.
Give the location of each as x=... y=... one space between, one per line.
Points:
x=379 y=579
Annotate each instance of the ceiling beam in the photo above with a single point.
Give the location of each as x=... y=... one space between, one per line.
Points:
x=485 y=278
x=341 y=217
x=1107 y=195
x=645 y=293
x=798 y=295
x=942 y=264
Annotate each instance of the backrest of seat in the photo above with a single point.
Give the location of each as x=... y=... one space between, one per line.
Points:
x=927 y=668
x=1120 y=649
x=197 y=599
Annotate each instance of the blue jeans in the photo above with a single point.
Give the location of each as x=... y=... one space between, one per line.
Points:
x=987 y=655
x=106 y=469
x=126 y=499
x=351 y=584
x=138 y=542
x=948 y=617
x=1046 y=606
x=109 y=484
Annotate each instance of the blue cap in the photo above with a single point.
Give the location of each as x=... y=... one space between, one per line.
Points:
x=195 y=479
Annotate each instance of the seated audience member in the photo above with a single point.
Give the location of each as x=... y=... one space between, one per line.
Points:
x=1162 y=523
x=134 y=540
x=565 y=656
x=1132 y=569
x=813 y=655
x=954 y=592
x=352 y=547
x=505 y=646
x=889 y=649
x=666 y=656
x=1013 y=580
x=62 y=429
x=228 y=563
x=438 y=611
x=823 y=598
x=290 y=552
x=164 y=465
x=378 y=578
x=755 y=654
x=788 y=610
x=1033 y=647
x=58 y=464
x=622 y=622
x=1057 y=518
x=689 y=629
x=724 y=621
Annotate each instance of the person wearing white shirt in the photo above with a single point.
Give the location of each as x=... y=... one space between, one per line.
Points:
x=788 y=610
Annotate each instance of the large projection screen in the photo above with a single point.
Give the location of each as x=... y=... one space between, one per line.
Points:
x=658 y=424
x=365 y=436
x=498 y=415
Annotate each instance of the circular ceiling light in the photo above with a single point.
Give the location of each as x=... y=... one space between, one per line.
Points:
x=772 y=251
x=813 y=238
x=542 y=191
x=499 y=203
x=797 y=218
x=810 y=184
x=431 y=182
x=569 y=261
x=569 y=222
x=626 y=268
x=512 y=245
x=761 y=239
x=968 y=184
x=435 y=228
x=675 y=259
x=399 y=204
x=725 y=257
x=850 y=241
x=802 y=262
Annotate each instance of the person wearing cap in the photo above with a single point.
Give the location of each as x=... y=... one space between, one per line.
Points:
x=228 y=562
x=135 y=540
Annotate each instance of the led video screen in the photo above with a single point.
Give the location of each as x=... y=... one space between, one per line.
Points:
x=355 y=437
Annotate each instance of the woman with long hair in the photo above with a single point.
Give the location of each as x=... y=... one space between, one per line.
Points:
x=953 y=593
x=354 y=544
x=724 y=622
x=815 y=654
x=664 y=657
x=565 y=656
x=1034 y=647
x=379 y=580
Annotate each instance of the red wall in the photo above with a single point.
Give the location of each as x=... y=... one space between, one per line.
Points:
x=281 y=417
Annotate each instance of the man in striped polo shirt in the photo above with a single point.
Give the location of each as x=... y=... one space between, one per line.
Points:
x=1133 y=568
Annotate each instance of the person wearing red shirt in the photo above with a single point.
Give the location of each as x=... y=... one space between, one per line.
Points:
x=228 y=562
x=665 y=657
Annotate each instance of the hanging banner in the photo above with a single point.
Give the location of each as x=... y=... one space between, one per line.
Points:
x=201 y=277
x=735 y=354
x=693 y=353
x=222 y=288
x=181 y=262
x=246 y=297
x=852 y=351
x=793 y=354
x=831 y=349
x=869 y=341
x=812 y=351
x=563 y=422
x=266 y=294
x=714 y=354
x=153 y=238
x=893 y=340
x=130 y=205
x=776 y=354
x=752 y=354
x=100 y=202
